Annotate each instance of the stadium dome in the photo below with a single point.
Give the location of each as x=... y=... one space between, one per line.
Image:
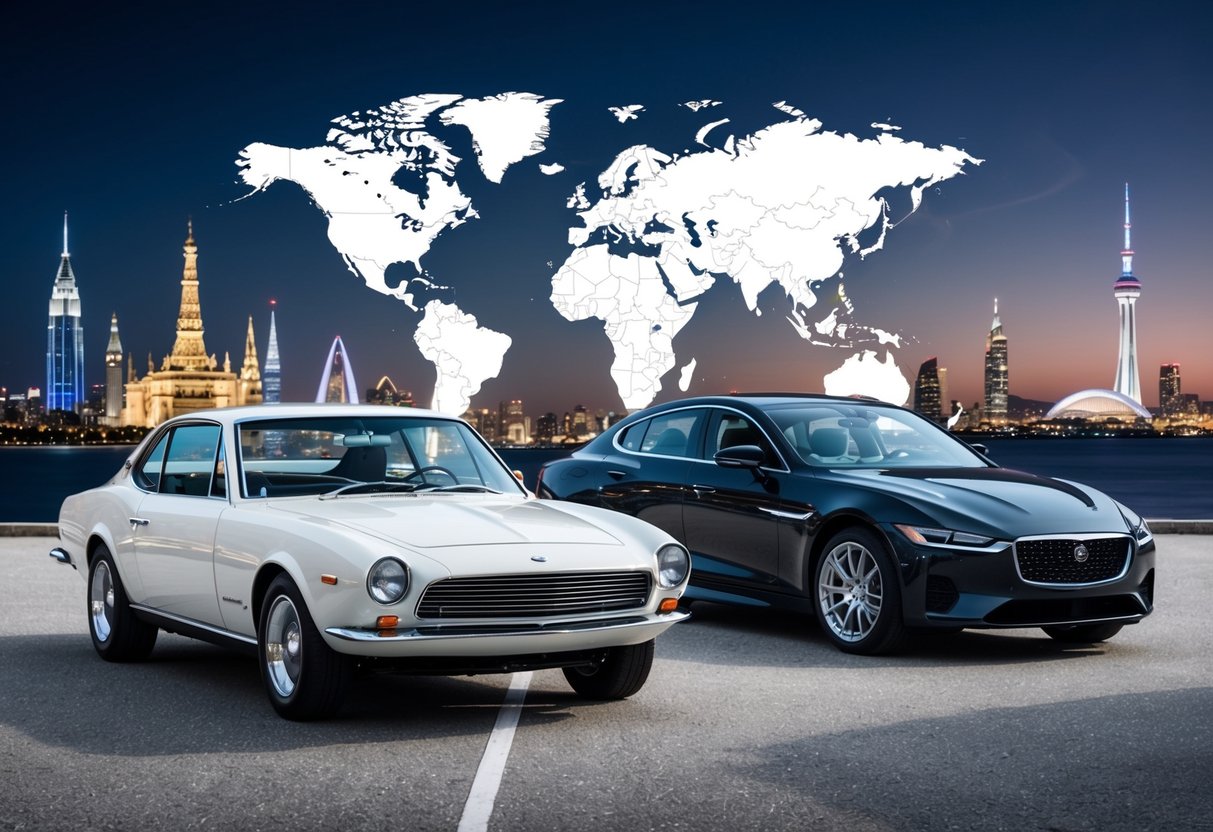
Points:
x=1097 y=405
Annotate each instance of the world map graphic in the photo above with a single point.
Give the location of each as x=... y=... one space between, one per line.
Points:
x=781 y=206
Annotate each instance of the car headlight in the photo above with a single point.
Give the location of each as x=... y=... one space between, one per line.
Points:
x=927 y=536
x=673 y=564
x=387 y=581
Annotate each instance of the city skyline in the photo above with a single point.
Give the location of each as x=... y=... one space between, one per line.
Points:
x=1037 y=225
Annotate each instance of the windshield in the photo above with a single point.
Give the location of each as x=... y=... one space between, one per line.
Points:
x=844 y=435
x=356 y=455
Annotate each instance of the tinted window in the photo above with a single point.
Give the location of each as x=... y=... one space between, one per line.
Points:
x=863 y=435
x=670 y=434
x=732 y=429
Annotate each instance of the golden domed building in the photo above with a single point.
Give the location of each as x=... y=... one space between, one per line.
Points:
x=189 y=379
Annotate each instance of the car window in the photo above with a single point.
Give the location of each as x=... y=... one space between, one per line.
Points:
x=318 y=455
x=670 y=434
x=147 y=475
x=732 y=429
x=219 y=480
x=190 y=460
x=861 y=435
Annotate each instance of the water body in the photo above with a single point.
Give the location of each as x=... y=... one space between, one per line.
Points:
x=1160 y=478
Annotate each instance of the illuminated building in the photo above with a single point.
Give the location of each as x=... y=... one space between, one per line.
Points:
x=515 y=427
x=271 y=380
x=1170 y=394
x=189 y=379
x=113 y=376
x=337 y=382
x=386 y=392
x=1127 y=290
x=65 y=339
x=927 y=389
x=1123 y=401
x=996 y=371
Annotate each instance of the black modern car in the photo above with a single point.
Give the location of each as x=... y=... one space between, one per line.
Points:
x=877 y=519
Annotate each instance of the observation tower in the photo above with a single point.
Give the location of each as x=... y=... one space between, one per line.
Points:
x=1127 y=291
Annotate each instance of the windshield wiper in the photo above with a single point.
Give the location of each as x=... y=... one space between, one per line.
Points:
x=380 y=487
x=464 y=488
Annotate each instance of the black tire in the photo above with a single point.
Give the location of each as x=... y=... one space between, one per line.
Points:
x=620 y=674
x=1083 y=633
x=304 y=678
x=856 y=591
x=118 y=634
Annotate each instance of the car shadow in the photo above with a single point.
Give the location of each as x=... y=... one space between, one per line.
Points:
x=191 y=697
x=1127 y=761
x=748 y=636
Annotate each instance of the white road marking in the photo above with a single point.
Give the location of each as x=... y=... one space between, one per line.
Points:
x=479 y=805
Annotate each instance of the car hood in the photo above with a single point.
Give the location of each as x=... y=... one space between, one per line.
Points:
x=447 y=520
x=1000 y=502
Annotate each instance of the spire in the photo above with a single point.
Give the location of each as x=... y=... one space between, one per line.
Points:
x=251 y=371
x=271 y=388
x=115 y=345
x=1126 y=256
x=65 y=233
x=189 y=351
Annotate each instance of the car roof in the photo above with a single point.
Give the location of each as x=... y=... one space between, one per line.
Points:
x=299 y=410
x=760 y=400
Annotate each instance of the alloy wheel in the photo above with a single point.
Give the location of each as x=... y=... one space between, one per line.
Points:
x=850 y=591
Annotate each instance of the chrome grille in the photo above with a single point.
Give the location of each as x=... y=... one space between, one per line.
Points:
x=527 y=596
x=1053 y=560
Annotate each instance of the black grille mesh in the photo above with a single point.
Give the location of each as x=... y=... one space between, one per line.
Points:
x=528 y=596
x=1054 y=560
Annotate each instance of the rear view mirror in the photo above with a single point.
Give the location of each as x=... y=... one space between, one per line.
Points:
x=740 y=456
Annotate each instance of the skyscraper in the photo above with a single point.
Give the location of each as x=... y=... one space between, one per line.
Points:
x=1127 y=290
x=65 y=339
x=337 y=383
x=271 y=380
x=1170 y=394
x=996 y=371
x=927 y=390
x=113 y=376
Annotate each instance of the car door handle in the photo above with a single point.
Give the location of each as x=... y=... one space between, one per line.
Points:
x=703 y=489
x=617 y=475
x=139 y=521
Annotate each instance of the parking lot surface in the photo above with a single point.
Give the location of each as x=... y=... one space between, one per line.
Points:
x=750 y=720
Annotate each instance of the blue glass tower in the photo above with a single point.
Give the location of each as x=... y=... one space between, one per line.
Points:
x=65 y=339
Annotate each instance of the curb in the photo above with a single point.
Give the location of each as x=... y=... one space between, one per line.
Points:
x=1156 y=526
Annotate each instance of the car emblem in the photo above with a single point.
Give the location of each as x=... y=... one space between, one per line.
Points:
x=542 y=559
x=1081 y=554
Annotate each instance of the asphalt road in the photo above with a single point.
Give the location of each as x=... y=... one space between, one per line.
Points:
x=749 y=721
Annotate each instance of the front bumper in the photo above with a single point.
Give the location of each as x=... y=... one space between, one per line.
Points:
x=514 y=638
x=951 y=587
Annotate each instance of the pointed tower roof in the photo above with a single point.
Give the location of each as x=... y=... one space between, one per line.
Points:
x=251 y=371
x=1127 y=280
x=189 y=350
x=114 y=348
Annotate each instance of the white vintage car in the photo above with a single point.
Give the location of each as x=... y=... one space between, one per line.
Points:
x=333 y=537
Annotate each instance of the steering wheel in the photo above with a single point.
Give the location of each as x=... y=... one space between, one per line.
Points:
x=421 y=472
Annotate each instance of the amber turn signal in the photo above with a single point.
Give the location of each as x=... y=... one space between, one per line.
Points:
x=331 y=580
x=667 y=605
x=386 y=622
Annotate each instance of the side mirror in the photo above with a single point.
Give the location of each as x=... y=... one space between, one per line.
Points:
x=980 y=448
x=740 y=456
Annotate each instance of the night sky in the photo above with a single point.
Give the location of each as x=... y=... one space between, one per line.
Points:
x=130 y=120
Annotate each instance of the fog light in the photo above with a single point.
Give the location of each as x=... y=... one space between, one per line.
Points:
x=386 y=622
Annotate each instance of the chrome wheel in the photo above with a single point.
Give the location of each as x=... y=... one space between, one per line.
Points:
x=283 y=646
x=850 y=591
x=101 y=601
